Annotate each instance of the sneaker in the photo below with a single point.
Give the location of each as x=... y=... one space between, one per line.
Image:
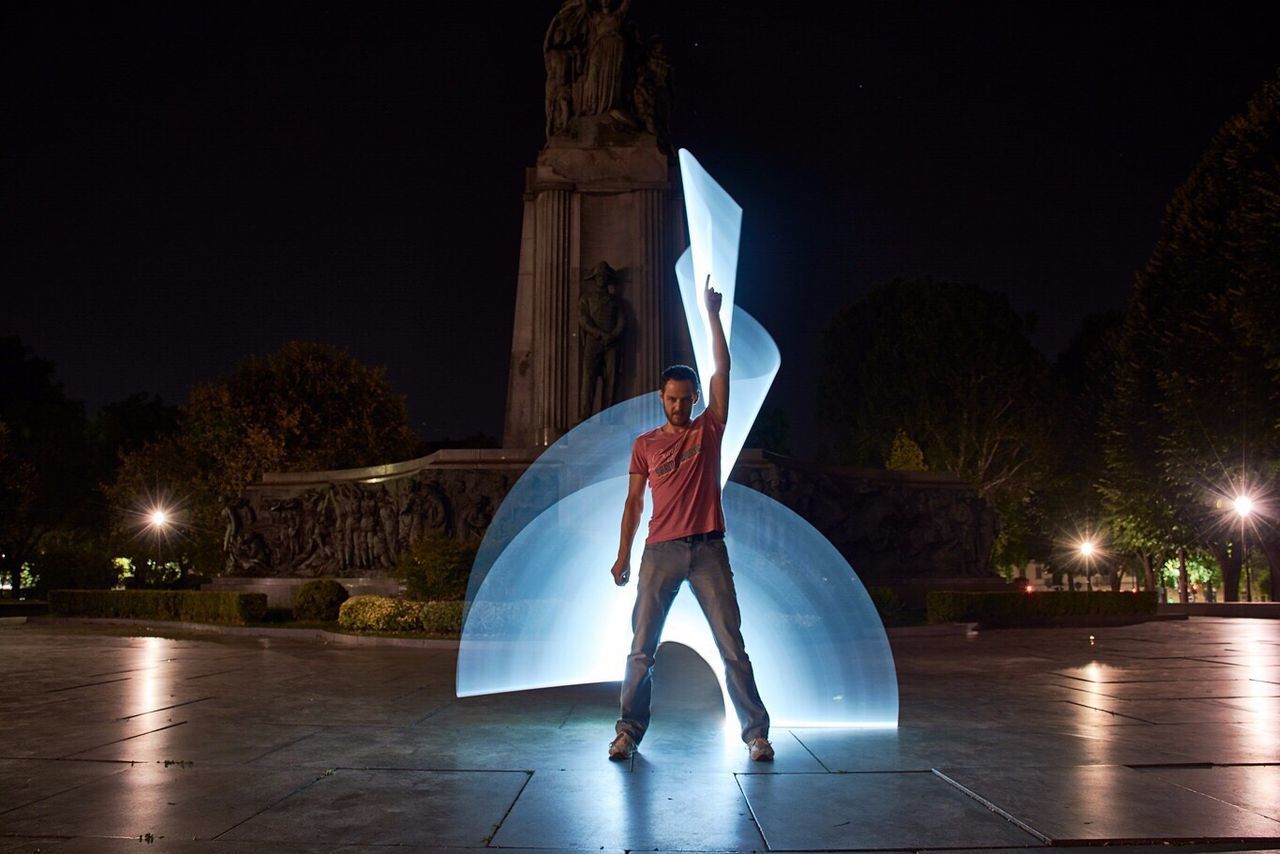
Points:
x=622 y=747
x=761 y=750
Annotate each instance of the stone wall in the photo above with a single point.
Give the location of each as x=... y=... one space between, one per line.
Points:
x=891 y=526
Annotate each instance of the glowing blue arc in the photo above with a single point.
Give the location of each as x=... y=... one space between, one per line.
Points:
x=542 y=609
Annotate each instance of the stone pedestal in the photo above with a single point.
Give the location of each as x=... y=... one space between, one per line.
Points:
x=583 y=204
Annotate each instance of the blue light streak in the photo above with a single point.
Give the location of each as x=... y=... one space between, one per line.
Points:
x=542 y=608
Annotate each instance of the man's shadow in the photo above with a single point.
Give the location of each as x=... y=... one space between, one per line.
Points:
x=688 y=716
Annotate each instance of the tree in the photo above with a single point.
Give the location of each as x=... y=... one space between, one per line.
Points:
x=953 y=367
x=305 y=407
x=44 y=457
x=905 y=454
x=1197 y=401
x=1067 y=506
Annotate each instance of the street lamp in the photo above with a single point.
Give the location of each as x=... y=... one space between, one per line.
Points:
x=1244 y=507
x=1087 y=550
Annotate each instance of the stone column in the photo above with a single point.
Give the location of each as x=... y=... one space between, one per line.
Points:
x=552 y=315
x=651 y=293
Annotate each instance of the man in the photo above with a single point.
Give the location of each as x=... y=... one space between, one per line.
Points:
x=680 y=461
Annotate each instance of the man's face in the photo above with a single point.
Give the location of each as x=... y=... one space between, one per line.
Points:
x=678 y=398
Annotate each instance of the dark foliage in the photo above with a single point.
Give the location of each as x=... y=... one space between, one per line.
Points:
x=319 y=600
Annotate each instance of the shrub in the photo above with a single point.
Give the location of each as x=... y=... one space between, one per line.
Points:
x=319 y=600
x=73 y=565
x=224 y=607
x=887 y=603
x=436 y=568
x=1001 y=608
x=384 y=614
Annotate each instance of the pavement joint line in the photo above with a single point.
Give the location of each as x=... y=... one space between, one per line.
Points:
x=118 y=740
x=273 y=804
x=68 y=759
x=792 y=733
x=1108 y=712
x=995 y=808
x=214 y=673
x=47 y=797
x=86 y=685
x=128 y=670
x=164 y=708
x=750 y=809
x=290 y=743
x=497 y=827
x=567 y=715
x=406 y=770
x=1142 y=766
x=410 y=693
x=429 y=715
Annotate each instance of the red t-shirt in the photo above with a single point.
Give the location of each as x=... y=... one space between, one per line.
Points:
x=684 y=473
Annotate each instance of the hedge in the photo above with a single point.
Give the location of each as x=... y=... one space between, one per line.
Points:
x=384 y=614
x=193 y=606
x=1001 y=608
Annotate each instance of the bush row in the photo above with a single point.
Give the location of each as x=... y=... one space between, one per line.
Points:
x=384 y=614
x=993 y=609
x=224 y=607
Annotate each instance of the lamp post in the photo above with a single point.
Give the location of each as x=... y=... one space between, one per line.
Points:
x=1087 y=549
x=158 y=520
x=1244 y=507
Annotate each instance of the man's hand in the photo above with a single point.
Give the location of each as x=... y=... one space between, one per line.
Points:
x=621 y=571
x=712 y=297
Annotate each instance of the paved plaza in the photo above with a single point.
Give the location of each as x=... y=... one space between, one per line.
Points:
x=121 y=739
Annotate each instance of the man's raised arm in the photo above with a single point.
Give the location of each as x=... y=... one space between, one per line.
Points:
x=720 y=351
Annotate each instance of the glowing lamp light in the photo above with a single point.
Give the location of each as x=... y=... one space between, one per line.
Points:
x=1243 y=505
x=1087 y=548
x=542 y=609
x=159 y=518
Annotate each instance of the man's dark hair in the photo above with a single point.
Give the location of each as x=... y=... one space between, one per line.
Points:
x=681 y=373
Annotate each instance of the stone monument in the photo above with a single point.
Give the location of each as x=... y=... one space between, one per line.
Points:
x=596 y=310
x=597 y=318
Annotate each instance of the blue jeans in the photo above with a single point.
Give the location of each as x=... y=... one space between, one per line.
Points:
x=664 y=567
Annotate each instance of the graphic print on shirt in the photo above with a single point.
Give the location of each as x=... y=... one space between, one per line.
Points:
x=669 y=461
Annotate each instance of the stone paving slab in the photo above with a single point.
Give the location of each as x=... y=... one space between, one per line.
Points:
x=205 y=741
x=486 y=747
x=1252 y=787
x=1108 y=802
x=1184 y=711
x=389 y=807
x=26 y=781
x=874 y=811
x=174 y=802
x=610 y=808
x=275 y=740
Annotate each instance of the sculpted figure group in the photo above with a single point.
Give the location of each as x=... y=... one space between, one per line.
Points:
x=350 y=528
x=597 y=65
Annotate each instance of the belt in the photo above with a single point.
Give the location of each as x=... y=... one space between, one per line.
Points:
x=702 y=538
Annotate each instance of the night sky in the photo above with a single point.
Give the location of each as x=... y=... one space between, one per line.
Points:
x=186 y=184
